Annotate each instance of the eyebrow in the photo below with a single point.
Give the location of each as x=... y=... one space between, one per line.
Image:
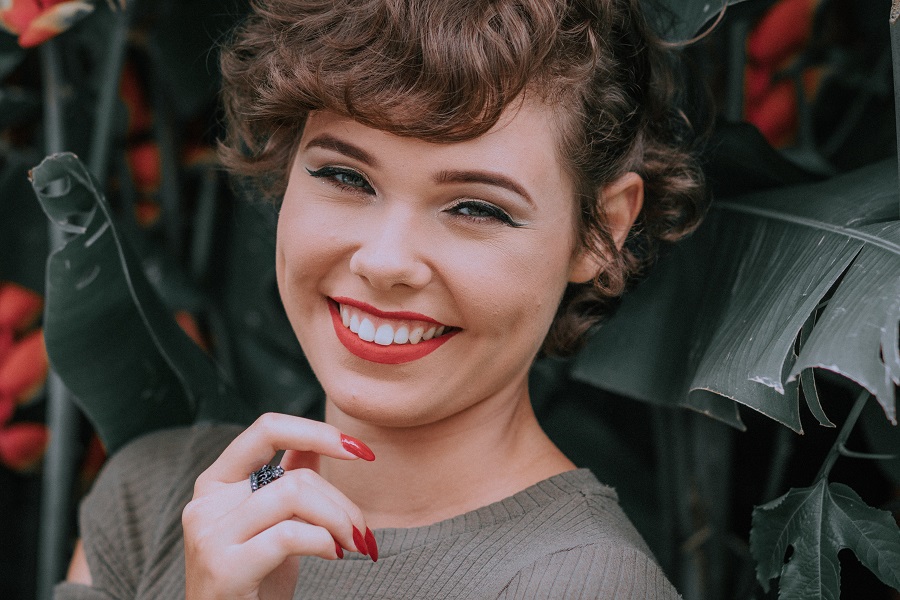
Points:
x=485 y=177
x=329 y=142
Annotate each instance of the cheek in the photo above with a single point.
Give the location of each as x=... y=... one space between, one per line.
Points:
x=516 y=289
x=305 y=240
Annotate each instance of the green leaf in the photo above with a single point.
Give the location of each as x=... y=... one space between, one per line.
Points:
x=23 y=228
x=680 y=20
x=109 y=336
x=717 y=321
x=817 y=523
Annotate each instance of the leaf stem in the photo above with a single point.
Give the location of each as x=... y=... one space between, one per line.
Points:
x=63 y=418
x=843 y=435
x=98 y=161
x=895 y=56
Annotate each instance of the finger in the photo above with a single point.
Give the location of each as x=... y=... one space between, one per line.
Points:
x=272 y=432
x=303 y=495
x=289 y=538
x=297 y=459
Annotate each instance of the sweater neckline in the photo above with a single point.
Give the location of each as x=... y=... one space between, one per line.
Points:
x=394 y=540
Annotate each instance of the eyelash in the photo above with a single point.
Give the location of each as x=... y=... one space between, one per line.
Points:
x=492 y=212
x=332 y=174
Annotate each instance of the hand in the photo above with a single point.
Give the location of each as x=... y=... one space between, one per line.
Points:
x=240 y=544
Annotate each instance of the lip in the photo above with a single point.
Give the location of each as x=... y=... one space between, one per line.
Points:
x=411 y=316
x=395 y=354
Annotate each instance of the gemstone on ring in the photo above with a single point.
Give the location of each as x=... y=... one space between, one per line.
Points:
x=264 y=476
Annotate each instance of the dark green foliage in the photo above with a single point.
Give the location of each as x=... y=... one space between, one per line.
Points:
x=811 y=526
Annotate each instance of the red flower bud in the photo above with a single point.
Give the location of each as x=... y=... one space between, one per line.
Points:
x=22 y=445
x=36 y=21
x=783 y=30
x=19 y=307
x=24 y=370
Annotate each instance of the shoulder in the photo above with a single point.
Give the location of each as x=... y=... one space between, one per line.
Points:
x=585 y=546
x=154 y=467
x=598 y=570
x=132 y=514
x=574 y=509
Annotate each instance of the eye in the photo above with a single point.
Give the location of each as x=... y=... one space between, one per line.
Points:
x=483 y=212
x=343 y=178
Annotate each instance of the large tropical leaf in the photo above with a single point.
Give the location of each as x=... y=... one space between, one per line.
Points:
x=716 y=324
x=109 y=336
x=817 y=523
x=681 y=20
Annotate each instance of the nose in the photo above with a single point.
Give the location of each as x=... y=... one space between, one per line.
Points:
x=390 y=253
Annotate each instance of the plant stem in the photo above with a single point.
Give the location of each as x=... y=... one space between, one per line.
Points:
x=895 y=55
x=63 y=418
x=846 y=428
x=54 y=136
x=98 y=162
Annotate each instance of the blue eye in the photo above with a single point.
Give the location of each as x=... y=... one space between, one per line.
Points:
x=483 y=212
x=346 y=179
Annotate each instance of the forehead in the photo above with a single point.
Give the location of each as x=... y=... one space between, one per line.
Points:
x=523 y=144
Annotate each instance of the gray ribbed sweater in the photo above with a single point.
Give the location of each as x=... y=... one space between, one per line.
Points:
x=564 y=537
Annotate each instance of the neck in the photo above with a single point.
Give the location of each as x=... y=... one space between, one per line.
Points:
x=432 y=472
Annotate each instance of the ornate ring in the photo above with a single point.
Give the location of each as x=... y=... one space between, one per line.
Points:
x=264 y=476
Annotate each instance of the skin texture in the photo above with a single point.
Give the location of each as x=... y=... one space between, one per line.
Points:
x=401 y=225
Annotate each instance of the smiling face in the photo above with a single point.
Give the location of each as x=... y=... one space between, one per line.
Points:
x=421 y=278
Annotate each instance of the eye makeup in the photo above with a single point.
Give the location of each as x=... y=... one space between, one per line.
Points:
x=343 y=178
x=479 y=211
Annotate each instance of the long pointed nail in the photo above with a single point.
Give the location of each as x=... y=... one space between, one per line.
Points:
x=357 y=448
x=358 y=540
x=338 y=550
x=372 y=545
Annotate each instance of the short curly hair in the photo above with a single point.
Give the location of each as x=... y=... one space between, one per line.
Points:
x=444 y=70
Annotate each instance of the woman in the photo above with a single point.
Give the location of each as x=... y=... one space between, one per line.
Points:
x=460 y=184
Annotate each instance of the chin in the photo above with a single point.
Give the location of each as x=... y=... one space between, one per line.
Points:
x=382 y=412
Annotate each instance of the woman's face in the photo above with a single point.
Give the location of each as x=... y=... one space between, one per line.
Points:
x=465 y=248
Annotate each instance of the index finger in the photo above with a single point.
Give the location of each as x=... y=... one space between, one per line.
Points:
x=271 y=432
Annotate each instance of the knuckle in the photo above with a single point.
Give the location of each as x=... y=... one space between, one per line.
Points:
x=284 y=536
x=307 y=476
x=265 y=421
x=191 y=514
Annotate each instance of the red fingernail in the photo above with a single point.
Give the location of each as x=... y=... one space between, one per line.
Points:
x=357 y=448
x=372 y=545
x=358 y=540
x=338 y=550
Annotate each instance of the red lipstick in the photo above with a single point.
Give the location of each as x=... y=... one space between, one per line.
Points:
x=409 y=316
x=395 y=354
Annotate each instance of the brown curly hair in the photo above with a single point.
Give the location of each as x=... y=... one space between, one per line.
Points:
x=444 y=70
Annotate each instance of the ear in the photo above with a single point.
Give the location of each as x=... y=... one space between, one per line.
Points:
x=621 y=203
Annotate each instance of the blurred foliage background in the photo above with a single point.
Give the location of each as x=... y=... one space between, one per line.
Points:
x=159 y=307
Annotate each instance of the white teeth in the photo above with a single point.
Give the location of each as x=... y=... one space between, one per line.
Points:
x=384 y=335
x=366 y=331
x=402 y=335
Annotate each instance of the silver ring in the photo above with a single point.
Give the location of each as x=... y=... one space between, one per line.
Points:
x=264 y=476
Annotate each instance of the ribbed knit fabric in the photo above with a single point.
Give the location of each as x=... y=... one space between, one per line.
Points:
x=564 y=537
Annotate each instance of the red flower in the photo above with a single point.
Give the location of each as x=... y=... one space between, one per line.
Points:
x=24 y=370
x=19 y=307
x=22 y=445
x=36 y=21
